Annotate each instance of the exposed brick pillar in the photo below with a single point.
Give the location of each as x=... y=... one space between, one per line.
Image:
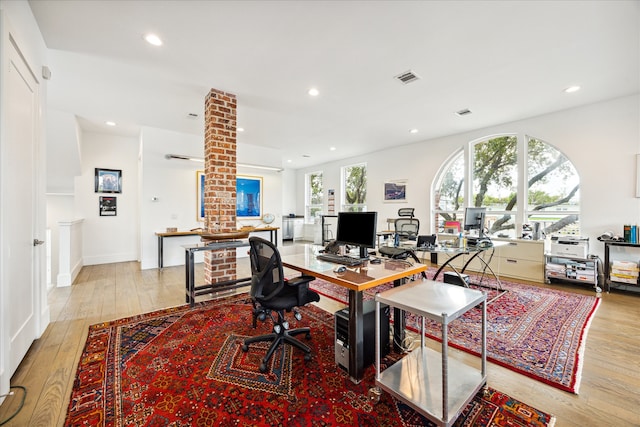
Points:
x=220 y=180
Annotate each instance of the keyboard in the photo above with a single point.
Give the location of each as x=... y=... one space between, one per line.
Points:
x=340 y=259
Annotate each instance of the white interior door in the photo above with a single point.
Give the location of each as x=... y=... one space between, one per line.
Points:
x=18 y=187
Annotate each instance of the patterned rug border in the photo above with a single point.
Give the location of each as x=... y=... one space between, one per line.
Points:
x=573 y=387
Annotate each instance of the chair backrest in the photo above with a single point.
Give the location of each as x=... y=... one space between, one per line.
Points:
x=267 y=277
x=406 y=212
x=407 y=227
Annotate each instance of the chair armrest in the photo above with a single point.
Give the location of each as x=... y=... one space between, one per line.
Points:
x=302 y=283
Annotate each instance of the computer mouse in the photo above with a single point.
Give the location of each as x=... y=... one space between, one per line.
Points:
x=340 y=269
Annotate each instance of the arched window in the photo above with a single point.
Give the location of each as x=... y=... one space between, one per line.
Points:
x=520 y=182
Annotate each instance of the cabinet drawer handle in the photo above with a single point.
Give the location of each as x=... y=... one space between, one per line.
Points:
x=513 y=244
x=513 y=261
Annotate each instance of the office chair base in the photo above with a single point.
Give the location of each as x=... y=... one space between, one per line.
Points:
x=284 y=337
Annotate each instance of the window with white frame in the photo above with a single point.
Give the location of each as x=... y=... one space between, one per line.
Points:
x=314 y=196
x=354 y=188
x=520 y=182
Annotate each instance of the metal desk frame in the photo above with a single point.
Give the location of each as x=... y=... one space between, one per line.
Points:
x=458 y=252
x=191 y=290
x=357 y=280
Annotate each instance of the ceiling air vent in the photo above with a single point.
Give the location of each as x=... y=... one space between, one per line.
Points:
x=463 y=112
x=407 y=77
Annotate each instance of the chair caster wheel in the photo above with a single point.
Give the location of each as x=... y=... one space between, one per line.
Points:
x=307 y=357
x=263 y=368
x=245 y=348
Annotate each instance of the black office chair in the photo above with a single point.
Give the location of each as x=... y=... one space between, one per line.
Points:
x=272 y=293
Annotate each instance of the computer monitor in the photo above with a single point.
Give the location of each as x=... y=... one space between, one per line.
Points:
x=474 y=220
x=357 y=228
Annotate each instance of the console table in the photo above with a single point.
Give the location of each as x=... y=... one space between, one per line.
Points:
x=191 y=290
x=273 y=237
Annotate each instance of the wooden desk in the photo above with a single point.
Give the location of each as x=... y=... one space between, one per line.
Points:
x=356 y=280
x=273 y=237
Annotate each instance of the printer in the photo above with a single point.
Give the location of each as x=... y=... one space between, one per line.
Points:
x=571 y=246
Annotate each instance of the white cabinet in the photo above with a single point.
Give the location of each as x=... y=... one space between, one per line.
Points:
x=298 y=229
x=520 y=259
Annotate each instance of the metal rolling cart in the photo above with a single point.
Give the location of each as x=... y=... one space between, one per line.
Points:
x=426 y=379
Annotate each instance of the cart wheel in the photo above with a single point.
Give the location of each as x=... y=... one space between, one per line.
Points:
x=374 y=394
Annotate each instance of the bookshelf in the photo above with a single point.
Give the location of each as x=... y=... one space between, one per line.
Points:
x=620 y=251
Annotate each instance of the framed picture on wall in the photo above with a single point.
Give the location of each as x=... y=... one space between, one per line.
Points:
x=200 y=195
x=108 y=206
x=248 y=197
x=108 y=180
x=395 y=191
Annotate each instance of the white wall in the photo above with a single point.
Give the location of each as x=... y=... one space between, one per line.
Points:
x=63 y=158
x=108 y=239
x=60 y=207
x=600 y=139
x=173 y=184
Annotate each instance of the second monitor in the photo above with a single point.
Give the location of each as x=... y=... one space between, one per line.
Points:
x=358 y=229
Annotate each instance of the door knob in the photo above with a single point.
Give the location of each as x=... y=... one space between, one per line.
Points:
x=37 y=242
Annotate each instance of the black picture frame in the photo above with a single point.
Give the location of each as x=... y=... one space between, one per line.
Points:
x=108 y=180
x=108 y=206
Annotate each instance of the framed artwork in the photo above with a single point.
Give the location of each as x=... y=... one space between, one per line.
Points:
x=108 y=180
x=200 y=195
x=108 y=206
x=395 y=191
x=248 y=197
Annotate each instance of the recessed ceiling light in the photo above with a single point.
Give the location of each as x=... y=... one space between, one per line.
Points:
x=313 y=92
x=110 y=123
x=240 y=129
x=332 y=148
x=572 y=89
x=289 y=160
x=153 y=39
x=414 y=131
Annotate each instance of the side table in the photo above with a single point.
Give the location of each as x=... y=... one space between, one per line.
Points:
x=426 y=379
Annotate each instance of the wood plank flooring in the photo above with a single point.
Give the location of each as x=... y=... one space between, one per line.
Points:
x=609 y=391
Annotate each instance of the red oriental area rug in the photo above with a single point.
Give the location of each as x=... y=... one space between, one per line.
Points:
x=184 y=367
x=532 y=330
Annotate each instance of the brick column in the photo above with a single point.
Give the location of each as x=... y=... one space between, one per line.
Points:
x=220 y=180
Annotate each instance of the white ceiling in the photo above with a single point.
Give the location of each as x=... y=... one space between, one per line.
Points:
x=503 y=60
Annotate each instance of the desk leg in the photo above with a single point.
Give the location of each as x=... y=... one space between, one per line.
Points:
x=189 y=278
x=160 y=252
x=356 y=336
x=399 y=323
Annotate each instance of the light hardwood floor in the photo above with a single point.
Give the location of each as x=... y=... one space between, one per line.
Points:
x=609 y=392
